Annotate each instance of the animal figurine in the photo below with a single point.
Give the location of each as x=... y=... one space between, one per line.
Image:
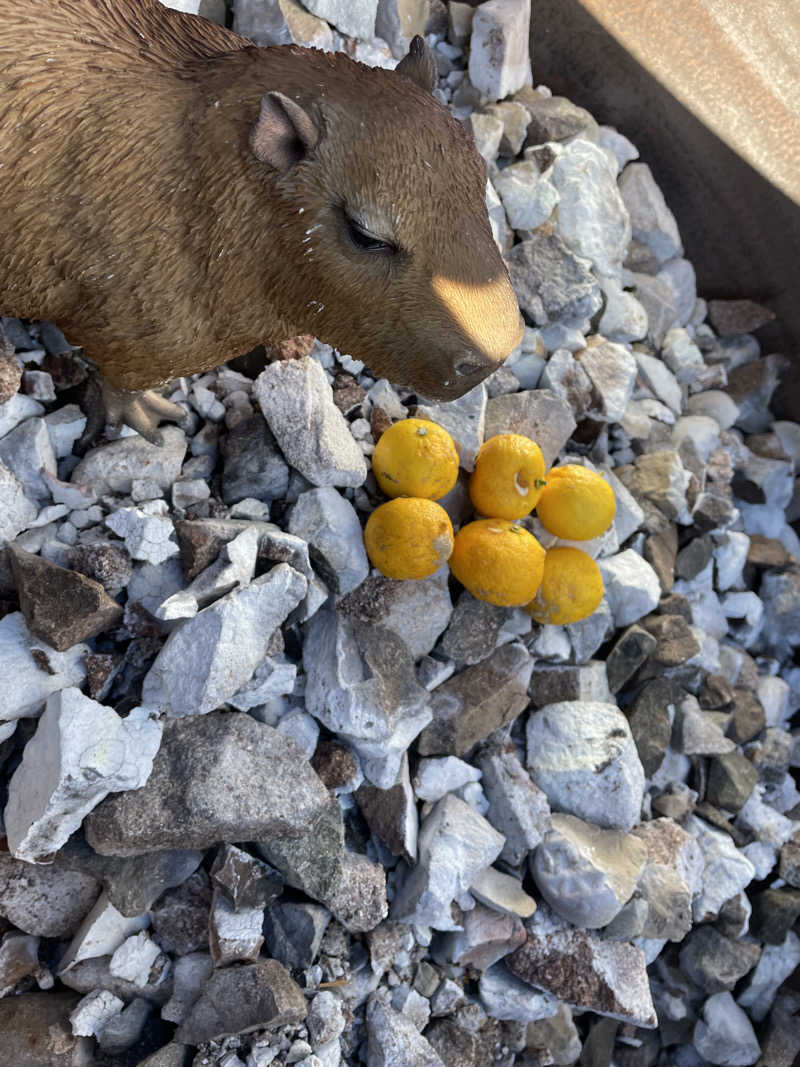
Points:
x=172 y=195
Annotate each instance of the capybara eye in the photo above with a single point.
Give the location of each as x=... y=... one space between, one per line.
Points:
x=362 y=238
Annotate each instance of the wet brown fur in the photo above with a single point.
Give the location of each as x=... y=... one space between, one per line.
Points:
x=134 y=214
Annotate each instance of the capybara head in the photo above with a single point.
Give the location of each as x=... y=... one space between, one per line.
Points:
x=385 y=229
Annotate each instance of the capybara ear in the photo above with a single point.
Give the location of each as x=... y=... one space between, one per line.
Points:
x=419 y=65
x=283 y=134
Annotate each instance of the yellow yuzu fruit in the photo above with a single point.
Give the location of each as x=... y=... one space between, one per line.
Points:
x=498 y=561
x=571 y=589
x=509 y=476
x=415 y=457
x=410 y=537
x=576 y=504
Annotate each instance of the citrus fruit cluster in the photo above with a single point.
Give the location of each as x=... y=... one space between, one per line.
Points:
x=416 y=462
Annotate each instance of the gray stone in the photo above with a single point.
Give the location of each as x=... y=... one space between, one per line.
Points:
x=455 y=842
x=515 y=118
x=724 y=1034
x=587 y=874
x=696 y=733
x=359 y=901
x=44 y=901
x=361 y=685
x=293 y=933
x=624 y=317
x=393 y=1040
x=716 y=404
x=726 y=870
x=518 y=809
x=17 y=510
x=81 y=752
x=313 y=435
x=680 y=277
x=253 y=465
x=19 y=957
x=487 y=936
x=147 y=531
x=592 y=218
x=668 y=902
x=779 y=1037
x=633 y=648
x=582 y=755
x=567 y=379
x=281 y=22
x=16 y=410
x=652 y=223
x=60 y=606
x=217 y=777
x=189 y=975
x=391 y=814
x=247 y=882
x=417 y=611
x=473 y=630
x=330 y=525
x=502 y=892
x=660 y=380
x=682 y=356
x=777 y=962
x=101 y=933
x=238 y=1000
x=751 y=387
x=112 y=467
x=506 y=997
x=650 y=721
x=122 y=1031
x=32 y=670
x=631 y=586
x=464 y=419
x=27 y=452
x=716 y=963
x=234 y=933
x=658 y=300
x=552 y=284
x=731 y=780
x=435 y=777
x=35 y=1031
x=472 y=704
x=606 y=977
x=211 y=656
x=487 y=132
x=138 y=960
x=234 y=568
x=528 y=198
x=538 y=414
x=499 y=64
x=311 y=860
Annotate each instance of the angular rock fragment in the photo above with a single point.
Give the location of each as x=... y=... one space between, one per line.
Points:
x=293 y=932
x=27 y=452
x=147 y=531
x=726 y=870
x=487 y=936
x=60 y=606
x=551 y=282
x=464 y=419
x=499 y=64
x=505 y=997
x=19 y=957
x=253 y=466
x=189 y=976
x=502 y=892
x=518 y=809
x=17 y=510
x=612 y=372
x=247 y=882
x=391 y=814
x=359 y=902
x=40 y=1022
x=417 y=610
x=238 y=1000
x=101 y=933
x=652 y=222
x=234 y=933
x=582 y=755
x=81 y=752
x=774 y=966
x=112 y=467
x=139 y=960
x=217 y=777
x=714 y=962
x=43 y=900
x=606 y=977
x=330 y=525
x=311 y=860
x=361 y=685
x=631 y=586
x=725 y=1034
x=32 y=670
x=477 y=701
x=587 y=874
x=394 y=1040
x=210 y=657
x=455 y=842
x=538 y=414
x=313 y=435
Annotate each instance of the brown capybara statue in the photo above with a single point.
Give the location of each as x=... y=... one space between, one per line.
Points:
x=172 y=196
